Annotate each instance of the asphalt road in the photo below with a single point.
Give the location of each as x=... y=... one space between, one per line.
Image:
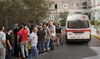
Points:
x=74 y=51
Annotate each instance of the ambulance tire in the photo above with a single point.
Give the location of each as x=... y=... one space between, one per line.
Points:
x=67 y=42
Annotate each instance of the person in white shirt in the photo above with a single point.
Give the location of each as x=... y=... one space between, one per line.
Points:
x=2 y=42
x=34 y=40
x=52 y=30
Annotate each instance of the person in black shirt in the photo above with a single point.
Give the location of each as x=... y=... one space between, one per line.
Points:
x=16 y=47
x=59 y=34
x=41 y=40
x=10 y=44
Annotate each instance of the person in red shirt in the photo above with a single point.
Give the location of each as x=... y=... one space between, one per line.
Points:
x=23 y=43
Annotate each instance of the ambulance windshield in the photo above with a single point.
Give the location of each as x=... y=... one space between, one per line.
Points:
x=78 y=24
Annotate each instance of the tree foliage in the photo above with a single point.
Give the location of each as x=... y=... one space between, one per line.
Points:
x=23 y=11
x=63 y=16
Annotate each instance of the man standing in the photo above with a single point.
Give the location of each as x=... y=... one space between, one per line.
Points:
x=10 y=43
x=2 y=42
x=52 y=30
x=33 y=41
x=41 y=39
x=48 y=35
x=24 y=33
x=59 y=34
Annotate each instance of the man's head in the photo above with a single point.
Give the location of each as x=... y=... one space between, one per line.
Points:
x=41 y=24
x=50 y=23
x=9 y=30
x=16 y=26
x=2 y=28
x=34 y=29
x=59 y=24
x=47 y=24
x=22 y=26
x=25 y=26
x=44 y=24
x=40 y=28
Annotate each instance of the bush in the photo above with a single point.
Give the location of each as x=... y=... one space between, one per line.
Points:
x=92 y=21
x=62 y=22
x=98 y=22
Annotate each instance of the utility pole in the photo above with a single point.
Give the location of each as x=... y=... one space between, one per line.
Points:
x=56 y=14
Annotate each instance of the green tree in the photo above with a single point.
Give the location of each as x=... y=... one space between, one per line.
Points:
x=23 y=11
x=63 y=16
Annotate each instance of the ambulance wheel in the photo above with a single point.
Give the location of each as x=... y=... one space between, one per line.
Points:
x=87 y=42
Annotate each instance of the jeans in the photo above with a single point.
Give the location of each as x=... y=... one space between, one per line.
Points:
x=24 y=48
x=52 y=43
x=41 y=47
x=47 y=44
x=10 y=53
x=34 y=52
x=2 y=53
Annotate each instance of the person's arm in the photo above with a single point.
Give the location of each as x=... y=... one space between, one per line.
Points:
x=37 y=39
x=18 y=39
x=30 y=38
x=4 y=40
x=50 y=34
x=61 y=32
x=28 y=34
x=9 y=44
x=4 y=43
x=45 y=36
x=18 y=35
x=53 y=29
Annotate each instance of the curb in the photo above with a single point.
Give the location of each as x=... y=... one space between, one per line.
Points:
x=98 y=37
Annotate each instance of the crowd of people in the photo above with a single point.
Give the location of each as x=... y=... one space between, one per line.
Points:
x=29 y=39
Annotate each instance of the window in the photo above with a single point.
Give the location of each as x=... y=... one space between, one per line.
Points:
x=78 y=24
x=99 y=16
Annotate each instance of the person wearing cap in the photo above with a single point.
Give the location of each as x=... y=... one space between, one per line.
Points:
x=10 y=43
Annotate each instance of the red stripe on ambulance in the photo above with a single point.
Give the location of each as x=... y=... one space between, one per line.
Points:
x=78 y=30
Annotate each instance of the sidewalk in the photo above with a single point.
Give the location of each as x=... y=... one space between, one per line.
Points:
x=94 y=34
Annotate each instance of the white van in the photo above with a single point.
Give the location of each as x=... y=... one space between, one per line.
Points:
x=78 y=28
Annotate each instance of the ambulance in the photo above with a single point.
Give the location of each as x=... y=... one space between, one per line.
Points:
x=78 y=28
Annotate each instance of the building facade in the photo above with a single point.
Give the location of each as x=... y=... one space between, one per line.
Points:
x=70 y=6
x=95 y=10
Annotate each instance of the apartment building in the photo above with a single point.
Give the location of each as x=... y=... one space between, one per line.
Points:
x=68 y=5
x=95 y=10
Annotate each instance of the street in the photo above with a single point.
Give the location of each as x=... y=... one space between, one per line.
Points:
x=74 y=51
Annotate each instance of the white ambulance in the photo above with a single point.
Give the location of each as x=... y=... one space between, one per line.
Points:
x=78 y=28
